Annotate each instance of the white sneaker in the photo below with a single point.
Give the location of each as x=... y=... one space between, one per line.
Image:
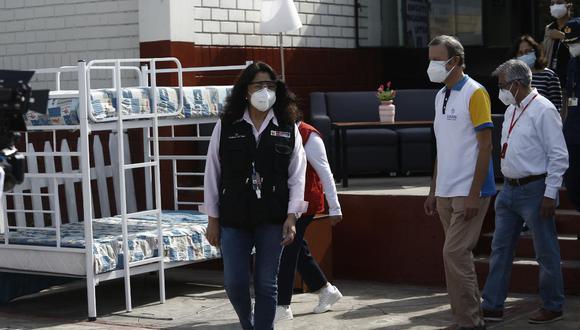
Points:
x=283 y=313
x=327 y=297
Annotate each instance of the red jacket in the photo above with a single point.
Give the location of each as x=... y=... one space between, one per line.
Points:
x=313 y=192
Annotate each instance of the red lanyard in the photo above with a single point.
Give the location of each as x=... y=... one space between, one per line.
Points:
x=513 y=123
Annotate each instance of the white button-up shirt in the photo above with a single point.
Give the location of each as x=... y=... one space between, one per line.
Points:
x=536 y=144
x=296 y=169
x=316 y=156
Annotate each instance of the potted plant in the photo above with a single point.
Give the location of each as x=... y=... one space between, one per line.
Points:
x=386 y=108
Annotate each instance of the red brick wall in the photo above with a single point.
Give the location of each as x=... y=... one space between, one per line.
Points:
x=307 y=69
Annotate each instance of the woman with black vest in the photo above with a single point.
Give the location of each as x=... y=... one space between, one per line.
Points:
x=254 y=189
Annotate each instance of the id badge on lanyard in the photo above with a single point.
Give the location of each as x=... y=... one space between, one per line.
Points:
x=256 y=182
x=504 y=147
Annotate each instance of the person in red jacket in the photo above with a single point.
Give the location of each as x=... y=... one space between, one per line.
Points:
x=296 y=256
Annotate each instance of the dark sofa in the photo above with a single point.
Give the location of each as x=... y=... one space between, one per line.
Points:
x=372 y=150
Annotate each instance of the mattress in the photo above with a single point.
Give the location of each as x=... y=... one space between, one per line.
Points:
x=199 y=102
x=183 y=239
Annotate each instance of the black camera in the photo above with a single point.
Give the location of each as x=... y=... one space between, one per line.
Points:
x=16 y=98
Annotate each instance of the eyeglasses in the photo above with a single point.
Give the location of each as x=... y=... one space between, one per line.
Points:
x=257 y=85
x=504 y=85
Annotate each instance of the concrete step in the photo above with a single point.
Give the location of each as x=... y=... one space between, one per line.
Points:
x=568 y=222
x=565 y=202
x=525 y=274
x=569 y=246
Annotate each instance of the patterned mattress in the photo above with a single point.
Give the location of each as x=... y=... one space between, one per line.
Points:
x=199 y=102
x=183 y=239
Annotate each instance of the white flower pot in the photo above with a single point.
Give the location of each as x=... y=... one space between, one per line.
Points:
x=387 y=112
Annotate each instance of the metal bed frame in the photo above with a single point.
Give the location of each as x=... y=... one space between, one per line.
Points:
x=76 y=262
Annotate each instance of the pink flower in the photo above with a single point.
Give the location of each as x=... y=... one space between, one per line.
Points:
x=385 y=94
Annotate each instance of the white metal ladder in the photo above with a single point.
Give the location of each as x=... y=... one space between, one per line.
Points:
x=147 y=165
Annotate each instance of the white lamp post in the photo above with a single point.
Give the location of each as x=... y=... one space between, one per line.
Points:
x=279 y=16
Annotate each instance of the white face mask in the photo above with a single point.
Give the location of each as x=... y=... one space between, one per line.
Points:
x=559 y=10
x=574 y=49
x=529 y=59
x=263 y=99
x=507 y=97
x=437 y=72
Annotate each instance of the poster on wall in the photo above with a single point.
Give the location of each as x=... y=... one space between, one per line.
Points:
x=442 y=17
x=417 y=23
x=459 y=18
x=468 y=26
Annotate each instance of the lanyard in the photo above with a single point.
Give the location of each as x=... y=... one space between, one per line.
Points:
x=513 y=123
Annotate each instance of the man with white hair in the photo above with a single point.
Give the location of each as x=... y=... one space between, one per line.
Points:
x=533 y=160
x=463 y=180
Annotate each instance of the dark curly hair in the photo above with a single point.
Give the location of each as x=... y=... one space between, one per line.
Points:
x=285 y=108
x=541 y=60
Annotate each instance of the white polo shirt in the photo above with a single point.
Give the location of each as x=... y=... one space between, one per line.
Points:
x=467 y=111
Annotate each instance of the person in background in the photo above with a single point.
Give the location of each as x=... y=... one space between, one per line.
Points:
x=533 y=161
x=254 y=189
x=557 y=56
x=572 y=113
x=296 y=256
x=544 y=80
x=463 y=180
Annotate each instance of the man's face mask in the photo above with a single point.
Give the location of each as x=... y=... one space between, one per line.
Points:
x=559 y=10
x=437 y=72
x=506 y=96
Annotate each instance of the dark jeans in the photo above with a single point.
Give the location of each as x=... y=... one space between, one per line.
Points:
x=296 y=256
x=572 y=176
x=236 y=246
x=514 y=206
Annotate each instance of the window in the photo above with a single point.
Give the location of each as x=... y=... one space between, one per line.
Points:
x=412 y=23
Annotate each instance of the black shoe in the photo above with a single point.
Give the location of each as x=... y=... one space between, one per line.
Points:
x=492 y=316
x=481 y=326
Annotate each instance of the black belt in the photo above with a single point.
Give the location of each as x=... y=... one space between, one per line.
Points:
x=524 y=181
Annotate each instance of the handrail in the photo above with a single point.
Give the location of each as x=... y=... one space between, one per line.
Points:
x=204 y=69
x=117 y=62
x=112 y=68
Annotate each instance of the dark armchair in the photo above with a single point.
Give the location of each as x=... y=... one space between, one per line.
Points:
x=416 y=144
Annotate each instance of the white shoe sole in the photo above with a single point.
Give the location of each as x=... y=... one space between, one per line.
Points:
x=288 y=316
x=329 y=306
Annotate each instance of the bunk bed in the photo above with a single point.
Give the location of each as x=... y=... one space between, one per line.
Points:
x=42 y=231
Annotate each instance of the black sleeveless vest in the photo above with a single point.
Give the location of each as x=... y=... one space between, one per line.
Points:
x=239 y=205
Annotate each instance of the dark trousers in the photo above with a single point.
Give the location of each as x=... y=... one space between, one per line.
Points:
x=296 y=256
x=236 y=247
x=572 y=176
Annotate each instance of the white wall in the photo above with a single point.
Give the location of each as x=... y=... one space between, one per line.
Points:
x=327 y=23
x=166 y=20
x=51 y=33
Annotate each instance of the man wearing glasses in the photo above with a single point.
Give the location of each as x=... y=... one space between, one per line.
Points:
x=463 y=179
x=533 y=161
